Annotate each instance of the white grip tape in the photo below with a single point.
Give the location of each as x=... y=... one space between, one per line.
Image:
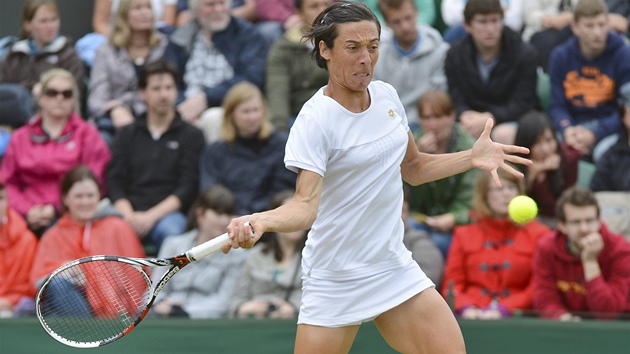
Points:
x=209 y=247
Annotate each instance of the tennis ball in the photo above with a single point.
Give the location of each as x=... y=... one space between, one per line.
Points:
x=522 y=209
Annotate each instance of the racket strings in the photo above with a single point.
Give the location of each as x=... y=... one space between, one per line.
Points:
x=94 y=301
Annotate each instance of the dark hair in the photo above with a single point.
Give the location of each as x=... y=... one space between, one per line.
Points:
x=577 y=196
x=77 y=174
x=325 y=26
x=217 y=198
x=155 y=68
x=392 y=4
x=530 y=127
x=272 y=243
x=481 y=7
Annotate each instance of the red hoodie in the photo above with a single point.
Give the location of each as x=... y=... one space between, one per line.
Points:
x=559 y=284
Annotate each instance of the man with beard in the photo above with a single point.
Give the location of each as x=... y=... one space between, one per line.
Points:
x=153 y=175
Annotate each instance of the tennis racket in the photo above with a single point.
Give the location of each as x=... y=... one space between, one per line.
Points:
x=93 y=301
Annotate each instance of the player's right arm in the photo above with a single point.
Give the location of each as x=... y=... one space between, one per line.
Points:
x=297 y=214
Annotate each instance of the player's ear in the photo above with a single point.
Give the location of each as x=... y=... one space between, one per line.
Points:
x=324 y=51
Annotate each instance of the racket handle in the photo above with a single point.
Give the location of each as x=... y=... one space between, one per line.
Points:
x=209 y=247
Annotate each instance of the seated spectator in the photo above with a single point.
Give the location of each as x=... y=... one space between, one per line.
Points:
x=213 y=52
x=440 y=205
x=48 y=146
x=489 y=265
x=203 y=289
x=113 y=97
x=270 y=282
x=612 y=169
x=453 y=16
x=249 y=159
x=491 y=73
x=581 y=269
x=413 y=59
x=84 y=229
x=103 y=23
x=154 y=172
x=292 y=75
x=39 y=49
x=422 y=248
x=555 y=166
x=426 y=9
x=274 y=17
x=587 y=74
x=17 y=251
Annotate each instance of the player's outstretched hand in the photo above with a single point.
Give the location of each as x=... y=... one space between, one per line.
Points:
x=490 y=156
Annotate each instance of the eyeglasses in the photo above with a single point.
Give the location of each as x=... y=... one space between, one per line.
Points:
x=52 y=93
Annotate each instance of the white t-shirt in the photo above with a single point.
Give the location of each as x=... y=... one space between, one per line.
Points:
x=358 y=229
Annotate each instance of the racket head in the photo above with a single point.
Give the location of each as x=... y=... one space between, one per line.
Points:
x=94 y=301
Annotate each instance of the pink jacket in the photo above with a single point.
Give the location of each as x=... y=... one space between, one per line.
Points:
x=34 y=165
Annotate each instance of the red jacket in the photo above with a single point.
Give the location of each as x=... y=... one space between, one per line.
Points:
x=17 y=251
x=34 y=165
x=492 y=259
x=559 y=278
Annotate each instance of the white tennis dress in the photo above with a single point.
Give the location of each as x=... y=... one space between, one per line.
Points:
x=355 y=265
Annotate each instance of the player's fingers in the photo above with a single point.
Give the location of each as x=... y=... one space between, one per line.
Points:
x=487 y=129
x=495 y=178
x=515 y=149
x=511 y=170
x=519 y=160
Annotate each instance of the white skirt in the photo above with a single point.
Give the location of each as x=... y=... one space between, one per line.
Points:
x=344 y=302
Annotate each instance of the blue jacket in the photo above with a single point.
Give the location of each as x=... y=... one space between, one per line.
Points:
x=585 y=90
x=241 y=44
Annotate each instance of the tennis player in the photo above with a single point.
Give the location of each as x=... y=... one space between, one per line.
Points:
x=351 y=148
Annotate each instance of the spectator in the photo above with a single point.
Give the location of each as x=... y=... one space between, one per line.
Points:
x=113 y=97
x=587 y=73
x=453 y=16
x=270 y=283
x=274 y=17
x=39 y=49
x=203 y=289
x=154 y=173
x=490 y=261
x=491 y=73
x=17 y=251
x=426 y=8
x=555 y=166
x=413 y=60
x=441 y=205
x=48 y=146
x=612 y=169
x=84 y=229
x=422 y=248
x=581 y=270
x=103 y=23
x=292 y=75
x=213 y=52
x=249 y=158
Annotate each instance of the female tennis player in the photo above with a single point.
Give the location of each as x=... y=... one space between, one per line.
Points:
x=350 y=146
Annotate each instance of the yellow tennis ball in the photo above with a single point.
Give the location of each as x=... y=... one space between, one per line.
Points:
x=522 y=209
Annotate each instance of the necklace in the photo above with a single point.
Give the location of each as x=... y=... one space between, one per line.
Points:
x=139 y=61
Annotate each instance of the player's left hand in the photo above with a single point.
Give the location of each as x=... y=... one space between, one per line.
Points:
x=490 y=156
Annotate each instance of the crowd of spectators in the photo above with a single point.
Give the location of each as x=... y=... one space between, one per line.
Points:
x=150 y=132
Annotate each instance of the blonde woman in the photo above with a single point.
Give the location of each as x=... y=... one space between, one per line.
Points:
x=46 y=147
x=114 y=97
x=249 y=158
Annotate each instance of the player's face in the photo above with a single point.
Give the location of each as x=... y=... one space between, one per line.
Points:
x=248 y=117
x=160 y=94
x=592 y=33
x=44 y=26
x=545 y=146
x=499 y=198
x=213 y=15
x=311 y=9
x=485 y=30
x=354 y=54
x=140 y=16
x=402 y=22
x=438 y=124
x=580 y=221
x=212 y=223
x=82 y=200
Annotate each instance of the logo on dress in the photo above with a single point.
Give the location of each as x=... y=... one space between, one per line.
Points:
x=391 y=113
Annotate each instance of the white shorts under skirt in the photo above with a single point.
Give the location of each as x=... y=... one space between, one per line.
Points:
x=339 y=303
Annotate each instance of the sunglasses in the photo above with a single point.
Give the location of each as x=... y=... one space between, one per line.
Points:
x=52 y=93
